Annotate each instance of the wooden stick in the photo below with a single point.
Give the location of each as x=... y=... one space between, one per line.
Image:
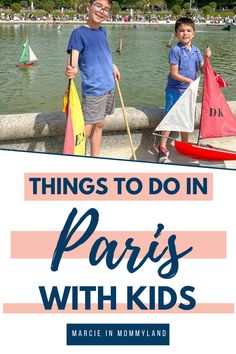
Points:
x=120 y=45
x=126 y=120
x=121 y=42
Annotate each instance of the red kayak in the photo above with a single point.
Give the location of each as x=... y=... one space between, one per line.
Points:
x=200 y=152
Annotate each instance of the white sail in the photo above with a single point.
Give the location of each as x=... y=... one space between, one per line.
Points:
x=180 y=118
x=32 y=56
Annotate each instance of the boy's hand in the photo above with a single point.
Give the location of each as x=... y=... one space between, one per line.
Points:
x=208 y=52
x=71 y=71
x=116 y=72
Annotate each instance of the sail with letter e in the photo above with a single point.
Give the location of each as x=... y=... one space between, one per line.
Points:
x=74 y=142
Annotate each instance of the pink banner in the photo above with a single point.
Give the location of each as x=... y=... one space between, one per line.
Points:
x=121 y=308
x=118 y=186
x=41 y=244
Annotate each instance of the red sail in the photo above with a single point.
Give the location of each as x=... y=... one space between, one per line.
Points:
x=221 y=82
x=217 y=119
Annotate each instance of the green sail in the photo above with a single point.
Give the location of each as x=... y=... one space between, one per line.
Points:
x=25 y=54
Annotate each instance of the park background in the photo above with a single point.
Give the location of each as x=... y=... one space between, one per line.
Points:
x=161 y=9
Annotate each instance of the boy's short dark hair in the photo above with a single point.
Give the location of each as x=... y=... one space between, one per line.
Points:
x=92 y=1
x=186 y=21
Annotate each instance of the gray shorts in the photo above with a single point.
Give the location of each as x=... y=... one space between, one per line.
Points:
x=95 y=108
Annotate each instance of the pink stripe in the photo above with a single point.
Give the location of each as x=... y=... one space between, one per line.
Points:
x=121 y=308
x=69 y=135
x=112 y=189
x=41 y=244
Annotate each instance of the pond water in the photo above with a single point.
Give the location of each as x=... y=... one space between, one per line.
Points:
x=143 y=63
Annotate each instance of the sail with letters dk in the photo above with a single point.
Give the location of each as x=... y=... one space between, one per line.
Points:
x=217 y=120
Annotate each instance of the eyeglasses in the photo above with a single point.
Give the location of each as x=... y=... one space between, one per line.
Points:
x=99 y=7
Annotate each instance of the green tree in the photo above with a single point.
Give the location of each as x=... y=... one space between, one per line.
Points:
x=186 y=6
x=160 y=5
x=127 y=4
x=219 y=3
x=172 y=3
x=176 y=10
x=74 y=4
x=213 y=5
x=61 y=3
x=206 y=10
x=138 y=5
x=16 y=7
x=115 y=7
x=234 y=10
x=151 y=4
x=38 y=4
x=24 y=4
x=49 y=6
x=80 y=6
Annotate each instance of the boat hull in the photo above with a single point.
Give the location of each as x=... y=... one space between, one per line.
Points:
x=199 y=152
x=24 y=65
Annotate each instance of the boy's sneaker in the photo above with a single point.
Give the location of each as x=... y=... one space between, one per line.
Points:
x=163 y=154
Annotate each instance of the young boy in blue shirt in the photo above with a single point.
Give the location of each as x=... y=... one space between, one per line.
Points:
x=91 y=52
x=185 y=61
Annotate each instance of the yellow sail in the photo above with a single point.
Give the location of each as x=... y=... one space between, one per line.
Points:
x=74 y=143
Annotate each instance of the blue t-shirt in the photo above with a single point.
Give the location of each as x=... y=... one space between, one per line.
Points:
x=188 y=65
x=95 y=62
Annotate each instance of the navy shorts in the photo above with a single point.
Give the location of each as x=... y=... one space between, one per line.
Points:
x=171 y=99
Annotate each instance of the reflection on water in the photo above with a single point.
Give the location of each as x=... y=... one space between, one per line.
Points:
x=143 y=63
x=27 y=75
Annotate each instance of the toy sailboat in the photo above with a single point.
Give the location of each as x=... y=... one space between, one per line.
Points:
x=28 y=57
x=217 y=120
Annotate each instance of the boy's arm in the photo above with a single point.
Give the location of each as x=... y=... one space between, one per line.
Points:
x=207 y=54
x=176 y=76
x=71 y=69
